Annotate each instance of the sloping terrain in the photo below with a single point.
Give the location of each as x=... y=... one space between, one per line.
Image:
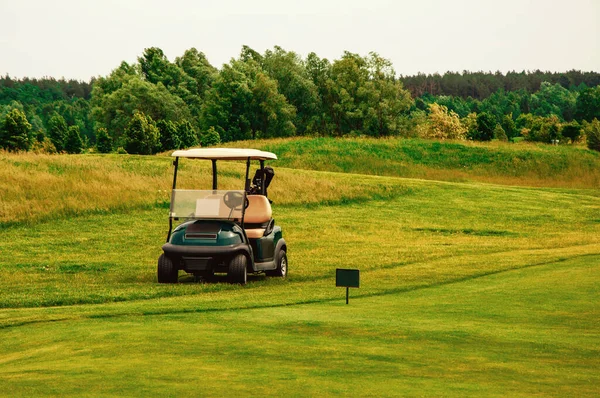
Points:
x=467 y=288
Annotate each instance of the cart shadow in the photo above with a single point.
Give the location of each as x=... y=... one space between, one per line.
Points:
x=216 y=278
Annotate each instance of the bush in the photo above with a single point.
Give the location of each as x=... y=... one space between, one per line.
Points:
x=592 y=133
x=571 y=131
x=57 y=131
x=169 y=138
x=44 y=146
x=187 y=134
x=103 y=141
x=211 y=137
x=486 y=123
x=141 y=135
x=73 y=142
x=500 y=134
x=443 y=124
x=15 y=131
x=539 y=128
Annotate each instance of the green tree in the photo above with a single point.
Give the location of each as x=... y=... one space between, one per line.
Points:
x=197 y=67
x=57 y=131
x=588 y=104
x=244 y=103
x=295 y=84
x=470 y=123
x=211 y=138
x=115 y=110
x=486 y=123
x=15 y=132
x=73 y=142
x=169 y=137
x=540 y=129
x=366 y=97
x=509 y=126
x=443 y=124
x=319 y=71
x=157 y=69
x=592 y=132
x=349 y=76
x=103 y=141
x=500 y=134
x=186 y=134
x=141 y=135
x=553 y=99
x=571 y=131
x=386 y=100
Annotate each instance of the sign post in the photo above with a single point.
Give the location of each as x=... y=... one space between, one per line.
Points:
x=347 y=278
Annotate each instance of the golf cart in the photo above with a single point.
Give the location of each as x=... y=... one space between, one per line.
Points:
x=223 y=231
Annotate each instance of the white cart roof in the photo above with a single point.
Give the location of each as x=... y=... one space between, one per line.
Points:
x=224 y=153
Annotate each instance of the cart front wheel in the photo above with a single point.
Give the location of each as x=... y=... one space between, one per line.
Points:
x=167 y=272
x=237 y=272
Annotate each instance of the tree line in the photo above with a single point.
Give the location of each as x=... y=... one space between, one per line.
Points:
x=156 y=104
x=480 y=85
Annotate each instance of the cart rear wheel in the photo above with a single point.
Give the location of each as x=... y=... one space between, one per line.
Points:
x=167 y=272
x=237 y=272
x=282 y=265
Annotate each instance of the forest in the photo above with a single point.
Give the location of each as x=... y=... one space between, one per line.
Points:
x=155 y=104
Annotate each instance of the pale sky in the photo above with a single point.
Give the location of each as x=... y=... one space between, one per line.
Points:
x=83 y=38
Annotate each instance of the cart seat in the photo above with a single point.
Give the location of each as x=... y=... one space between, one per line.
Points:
x=257 y=216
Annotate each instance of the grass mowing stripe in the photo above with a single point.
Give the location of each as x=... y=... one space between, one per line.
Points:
x=506 y=334
x=294 y=296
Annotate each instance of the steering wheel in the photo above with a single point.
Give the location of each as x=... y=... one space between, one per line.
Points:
x=234 y=199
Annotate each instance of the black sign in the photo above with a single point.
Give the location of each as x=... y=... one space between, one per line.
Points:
x=347 y=277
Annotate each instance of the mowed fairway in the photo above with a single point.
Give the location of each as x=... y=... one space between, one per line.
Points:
x=466 y=289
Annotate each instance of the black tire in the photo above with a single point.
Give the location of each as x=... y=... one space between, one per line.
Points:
x=167 y=272
x=237 y=272
x=282 y=265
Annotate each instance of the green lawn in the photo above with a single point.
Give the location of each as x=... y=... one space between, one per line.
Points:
x=531 y=331
x=467 y=289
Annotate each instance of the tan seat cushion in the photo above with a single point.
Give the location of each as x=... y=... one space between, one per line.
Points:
x=255 y=233
x=259 y=210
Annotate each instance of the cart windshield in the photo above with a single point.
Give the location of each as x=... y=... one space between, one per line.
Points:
x=207 y=204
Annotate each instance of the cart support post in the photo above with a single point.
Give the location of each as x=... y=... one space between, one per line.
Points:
x=176 y=164
x=262 y=180
x=214 y=170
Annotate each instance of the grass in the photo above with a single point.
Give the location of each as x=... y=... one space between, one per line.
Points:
x=522 y=164
x=441 y=340
x=467 y=289
x=45 y=187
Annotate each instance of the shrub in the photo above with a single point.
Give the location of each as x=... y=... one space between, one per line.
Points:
x=169 y=138
x=57 y=131
x=571 y=131
x=15 y=131
x=44 y=146
x=486 y=123
x=103 y=141
x=500 y=134
x=443 y=124
x=592 y=133
x=187 y=134
x=211 y=137
x=73 y=142
x=141 y=135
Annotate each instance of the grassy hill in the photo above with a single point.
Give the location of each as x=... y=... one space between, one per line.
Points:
x=467 y=288
x=500 y=163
